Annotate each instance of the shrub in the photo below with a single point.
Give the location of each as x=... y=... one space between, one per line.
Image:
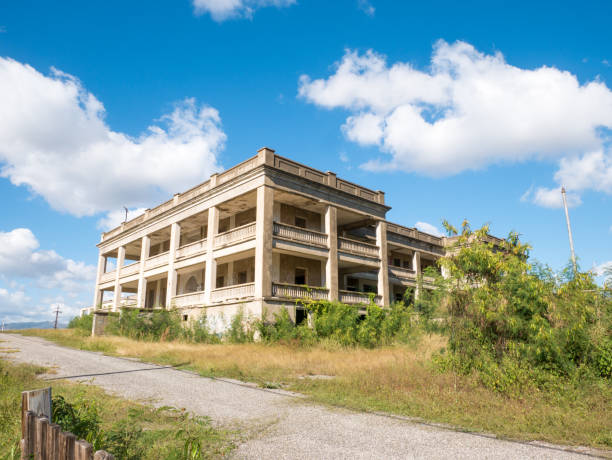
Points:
x=510 y=317
x=82 y=323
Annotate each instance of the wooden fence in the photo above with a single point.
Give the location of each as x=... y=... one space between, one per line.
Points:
x=43 y=440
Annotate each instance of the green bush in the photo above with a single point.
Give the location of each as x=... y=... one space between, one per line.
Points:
x=154 y=325
x=510 y=318
x=82 y=323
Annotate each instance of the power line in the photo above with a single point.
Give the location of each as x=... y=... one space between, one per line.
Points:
x=57 y=312
x=569 y=230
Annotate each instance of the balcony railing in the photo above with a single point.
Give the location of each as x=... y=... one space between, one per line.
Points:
x=157 y=260
x=191 y=249
x=189 y=299
x=131 y=269
x=353 y=298
x=295 y=291
x=235 y=235
x=238 y=291
x=404 y=273
x=108 y=276
x=300 y=234
x=357 y=247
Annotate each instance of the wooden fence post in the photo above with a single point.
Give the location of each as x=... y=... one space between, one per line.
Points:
x=67 y=441
x=40 y=452
x=84 y=450
x=28 y=435
x=53 y=431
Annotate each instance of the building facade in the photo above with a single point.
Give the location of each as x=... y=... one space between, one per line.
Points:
x=256 y=238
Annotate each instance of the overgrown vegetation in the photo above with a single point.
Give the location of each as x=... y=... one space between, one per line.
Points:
x=501 y=344
x=518 y=324
x=128 y=430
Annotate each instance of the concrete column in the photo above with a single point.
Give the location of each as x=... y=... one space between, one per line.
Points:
x=416 y=266
x=383 y=271
x=275 y=267
x=142 y=281
x=263 y=242
x=175 y=236
x=230 y=273
x=120 y=260
x=331 y=266
x=157 y=300
x=97 y=300
x=276 y=212
x=210 y=275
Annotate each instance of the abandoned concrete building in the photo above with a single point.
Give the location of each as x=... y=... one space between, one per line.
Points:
x=257 y=237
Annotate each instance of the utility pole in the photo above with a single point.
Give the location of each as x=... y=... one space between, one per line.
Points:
x=569 y=230
x=57 y=312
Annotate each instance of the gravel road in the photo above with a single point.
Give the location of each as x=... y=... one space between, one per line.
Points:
x=281 y=425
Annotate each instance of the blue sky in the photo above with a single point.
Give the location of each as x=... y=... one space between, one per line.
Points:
x=455 y=109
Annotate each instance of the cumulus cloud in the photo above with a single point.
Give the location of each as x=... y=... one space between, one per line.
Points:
x=428 y=228
x=469 y=110
x=220 y=10
x=551 y=197
x=366 y=7
x=113 y=219
x=20 y=257
x=13 y=304
x=53 y=139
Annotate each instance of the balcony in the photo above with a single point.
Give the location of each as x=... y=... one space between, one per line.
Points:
x=300 y=234
x=108 y=276
x=358 y=298
x=157 y=260
x=235 y=235
x=402 y=273
x=191 y=249
x=188 y=300
x=131 y=269
x=357 y=247
x=294 y=291
x=236 y=292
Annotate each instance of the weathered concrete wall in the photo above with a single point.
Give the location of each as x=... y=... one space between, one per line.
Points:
x=289 y=213
x=288 y=264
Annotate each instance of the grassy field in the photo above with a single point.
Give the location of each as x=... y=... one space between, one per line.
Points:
x=137 y=431
x=396 y=379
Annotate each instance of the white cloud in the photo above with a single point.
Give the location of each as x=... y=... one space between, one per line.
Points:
x=551 y=197
x=428 y=228
x=20 y=257
x=113 y=219
x=470 y=110
x=603 y=268
x=13 y=304
x=54 y=140
x=220 y=10
x=366 y=7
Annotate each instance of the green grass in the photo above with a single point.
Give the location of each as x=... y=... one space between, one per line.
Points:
x=136 y=430
x=396 y=379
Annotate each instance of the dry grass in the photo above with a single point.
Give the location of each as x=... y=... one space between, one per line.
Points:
x=397 y=379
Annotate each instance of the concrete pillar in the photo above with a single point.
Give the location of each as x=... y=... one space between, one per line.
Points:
x=331 y=266
x=142 y=281
x=210 y=275
x=263 y=242
x=230 y=273
x=157 y=300
x=120 y=260
x=97 y=300
x=276 y=267
x=416 y=266
x=383 y=270
x=175 y=236
x=276 y=211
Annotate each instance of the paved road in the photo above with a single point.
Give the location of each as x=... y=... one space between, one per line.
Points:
x=282 y=425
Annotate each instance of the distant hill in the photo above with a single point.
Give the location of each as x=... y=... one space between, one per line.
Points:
x=33 y=325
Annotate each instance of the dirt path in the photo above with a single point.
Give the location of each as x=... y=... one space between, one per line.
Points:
x=282 y=424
